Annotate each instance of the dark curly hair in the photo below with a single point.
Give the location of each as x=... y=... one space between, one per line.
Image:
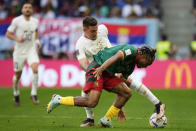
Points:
x=148 y=52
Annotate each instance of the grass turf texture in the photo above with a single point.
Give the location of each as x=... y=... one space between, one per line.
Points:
x=180 y=104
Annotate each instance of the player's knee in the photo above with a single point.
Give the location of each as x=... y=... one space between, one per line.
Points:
x=127 y=94
x=92 y=104
x=18 y=74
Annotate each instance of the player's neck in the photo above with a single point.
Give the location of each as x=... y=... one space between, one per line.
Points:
x=27 y=17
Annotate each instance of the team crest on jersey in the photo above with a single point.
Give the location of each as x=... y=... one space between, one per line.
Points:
x=96 y=83
x=128 y=52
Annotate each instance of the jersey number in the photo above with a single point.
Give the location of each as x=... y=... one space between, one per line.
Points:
x=28 y=35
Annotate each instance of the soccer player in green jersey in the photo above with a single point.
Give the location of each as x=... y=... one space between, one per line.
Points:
x=101 y=75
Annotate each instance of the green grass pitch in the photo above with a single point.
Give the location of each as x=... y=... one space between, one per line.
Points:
x=180 y=112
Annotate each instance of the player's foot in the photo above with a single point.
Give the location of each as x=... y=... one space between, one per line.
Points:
x=55 y=101
x=160 y=110
x=16 y=100
x=87 y=122
x=104 y=122
x=35 y=99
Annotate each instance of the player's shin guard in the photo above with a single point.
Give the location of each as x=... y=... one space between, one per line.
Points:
x=69 y=101
x=112 y=112
x=89 y=111
x=34 y=85
x=143 y=90
x=16 y=91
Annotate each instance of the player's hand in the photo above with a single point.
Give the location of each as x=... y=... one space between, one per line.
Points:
x=121 y=115
x=119 y=75
x=20 y=39
x=98 y=72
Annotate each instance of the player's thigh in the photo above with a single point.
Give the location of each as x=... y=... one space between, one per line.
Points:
x=19 y=62
x=34 y=67
x=122 y=89
x=110 y=81
x=33 y=60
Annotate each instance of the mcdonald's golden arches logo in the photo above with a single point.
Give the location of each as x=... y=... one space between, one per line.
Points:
x=178 y=69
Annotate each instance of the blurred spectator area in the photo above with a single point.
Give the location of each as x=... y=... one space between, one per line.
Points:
x=78 y=8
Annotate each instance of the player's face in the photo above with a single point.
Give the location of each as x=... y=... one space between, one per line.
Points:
x=27 y=10
x=91 y=32
x=143 y=62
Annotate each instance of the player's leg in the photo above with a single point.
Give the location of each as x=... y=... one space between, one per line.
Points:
x=33 y=61
x=123 y=95
x=80 y=101
x=19 y=62
x=143 y=90
x=34 y=67
x=89 y=113
x=93 y=87
x=16 y=90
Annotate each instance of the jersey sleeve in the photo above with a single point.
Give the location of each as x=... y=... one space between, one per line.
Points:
x=80 y=53
x=13 y=25
x=37 y=24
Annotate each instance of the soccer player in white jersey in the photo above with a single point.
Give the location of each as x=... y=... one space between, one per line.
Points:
x=24 y=31
x=90 y=43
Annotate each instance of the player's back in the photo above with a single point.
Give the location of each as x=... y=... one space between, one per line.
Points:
x=125 y=66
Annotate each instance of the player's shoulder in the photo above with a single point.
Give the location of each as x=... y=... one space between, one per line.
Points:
x=129 y=46
x=34 y=19
x=81 y=41
x=17 y=19
x=102 y=29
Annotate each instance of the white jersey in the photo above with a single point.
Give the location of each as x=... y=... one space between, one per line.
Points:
x=86 y=48
x=23 y=28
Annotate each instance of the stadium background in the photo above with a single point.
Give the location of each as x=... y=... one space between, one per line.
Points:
x=60 y=27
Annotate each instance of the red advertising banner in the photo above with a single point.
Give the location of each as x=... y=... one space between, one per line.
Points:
x=171 y=74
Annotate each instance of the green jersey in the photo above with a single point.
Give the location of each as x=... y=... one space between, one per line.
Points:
x=125 y=66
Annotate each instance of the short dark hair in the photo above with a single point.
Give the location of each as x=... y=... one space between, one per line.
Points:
x=27 y=2
x=164 y=37
x=89 y=21
x=147 y=51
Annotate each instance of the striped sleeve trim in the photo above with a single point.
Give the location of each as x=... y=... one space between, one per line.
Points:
x=122 y=54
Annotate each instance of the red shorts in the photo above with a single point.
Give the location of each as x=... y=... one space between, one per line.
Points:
x=106 y=81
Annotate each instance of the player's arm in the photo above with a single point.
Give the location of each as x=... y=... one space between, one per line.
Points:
x=11 y=36
x=118 y=56
x=83 y=63
x=11 y=29
x=37 y=39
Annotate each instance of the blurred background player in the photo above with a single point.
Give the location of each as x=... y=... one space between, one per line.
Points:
x=193 y=48
x=24 y=30
x=165 y=50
